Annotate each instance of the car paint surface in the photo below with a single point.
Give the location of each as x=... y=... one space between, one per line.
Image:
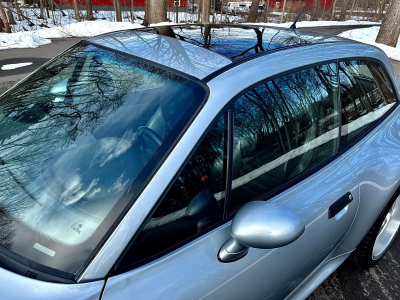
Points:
x=16 y=286
x=222 y=89
x=370 y=170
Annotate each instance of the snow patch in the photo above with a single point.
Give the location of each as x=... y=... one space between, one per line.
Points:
x=305 y=24
x=15 y=66
x=36 y=38
x=368 y=36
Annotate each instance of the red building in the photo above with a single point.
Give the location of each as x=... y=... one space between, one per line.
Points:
x=139 y=3
x=278 y=4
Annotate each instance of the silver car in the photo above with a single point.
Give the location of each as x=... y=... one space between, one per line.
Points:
x=198 y=162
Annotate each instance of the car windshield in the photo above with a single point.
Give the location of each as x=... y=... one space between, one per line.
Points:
x=77 y=136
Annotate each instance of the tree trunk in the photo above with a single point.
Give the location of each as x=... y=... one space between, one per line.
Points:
x=343 y=11
x=19 y=12
x=117 y=8
x=352 y=9
x=333 y=9
x=7 y=28
x=41 y=9
x=198 y=11
x=205 y=11
x=176 y=14
x=253 y=11
x=76 y=9
x=266 y=8
x=283 y=11
x=11 y=19
x=155 y=12
x=376 y=17
x=146 y=13
x=132 y=11
x=59 y=8
x=390 y=28
x=46 y=6
x=315 y=10
x=89 y=10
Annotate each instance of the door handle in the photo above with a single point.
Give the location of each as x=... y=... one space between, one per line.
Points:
x=336 y=207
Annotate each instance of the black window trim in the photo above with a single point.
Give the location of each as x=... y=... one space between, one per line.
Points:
x=116 y=269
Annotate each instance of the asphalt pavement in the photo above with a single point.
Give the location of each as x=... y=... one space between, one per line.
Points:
x=346 y=283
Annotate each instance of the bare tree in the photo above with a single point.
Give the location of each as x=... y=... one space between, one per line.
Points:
x=155 y=12
x=283 y=11
x=352 y=8
x=76 y=9
x=19 y=13
x=390 y=28
x=205 y=11
x=3 y=16
x=266 y=8
x=198 y=11
x=333 y=9
x=41 y=9
x=89 y=10
x=315 y=10
x=117 y=8
x=343 y=11
x=253 y=11
x=10 y=16
x=132 y=11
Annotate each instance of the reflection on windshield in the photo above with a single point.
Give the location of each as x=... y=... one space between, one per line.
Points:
x=74 y=136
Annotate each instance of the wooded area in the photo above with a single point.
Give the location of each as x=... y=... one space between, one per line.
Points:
x=217 y=11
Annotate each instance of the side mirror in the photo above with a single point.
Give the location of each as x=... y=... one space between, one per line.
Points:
x=261 y=225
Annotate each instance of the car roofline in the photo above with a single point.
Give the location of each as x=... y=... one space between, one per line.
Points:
x=217 y=72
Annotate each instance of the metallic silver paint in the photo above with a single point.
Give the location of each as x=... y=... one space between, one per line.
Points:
x=14 y=286
x=194 y=272
x=265 y=225
x=223 y=88
x=318 y=276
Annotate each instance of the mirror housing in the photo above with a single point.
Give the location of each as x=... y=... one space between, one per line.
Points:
x=261 y=225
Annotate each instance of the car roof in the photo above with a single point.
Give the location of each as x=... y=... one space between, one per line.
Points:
x=203 y=49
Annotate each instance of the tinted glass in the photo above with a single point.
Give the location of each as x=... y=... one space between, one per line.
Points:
x=237 y=42
x=366 y=94
x=283 y=128
x=194 y=203
x=75 y=136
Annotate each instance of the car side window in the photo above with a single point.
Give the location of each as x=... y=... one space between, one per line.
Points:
x=366 y=94
x=194 y=203
x=283 y=128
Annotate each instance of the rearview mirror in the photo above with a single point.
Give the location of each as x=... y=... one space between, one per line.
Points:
x=261 y=225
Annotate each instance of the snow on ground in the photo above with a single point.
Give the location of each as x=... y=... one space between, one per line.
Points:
x=35 y=38
x=15 y=66
x=36 y=31
x=305 y=24
x=368 y=36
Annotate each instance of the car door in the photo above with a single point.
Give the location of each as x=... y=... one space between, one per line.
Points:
x=278 y=142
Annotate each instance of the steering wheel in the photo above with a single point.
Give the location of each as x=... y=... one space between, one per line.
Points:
x=152 y=135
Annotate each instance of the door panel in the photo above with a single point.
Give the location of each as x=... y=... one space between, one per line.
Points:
x=194 y=272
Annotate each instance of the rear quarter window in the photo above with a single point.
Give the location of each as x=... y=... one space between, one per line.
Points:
x=366 y=94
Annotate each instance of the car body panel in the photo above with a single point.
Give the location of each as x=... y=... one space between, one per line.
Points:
x=222 y=88
x=185 y=57
x=375 y=160
x=194 y=271
x=370 y=170
x=16 y=286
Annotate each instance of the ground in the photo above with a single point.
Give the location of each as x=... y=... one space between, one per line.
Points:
x=380 y=282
